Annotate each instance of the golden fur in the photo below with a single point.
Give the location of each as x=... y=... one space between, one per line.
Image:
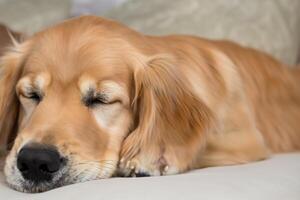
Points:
x=175 y=102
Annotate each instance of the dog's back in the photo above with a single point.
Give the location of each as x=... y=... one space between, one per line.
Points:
x=274 y=91
x=271 y=88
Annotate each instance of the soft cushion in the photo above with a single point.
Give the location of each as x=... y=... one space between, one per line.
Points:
x=269 y=25
x=277 y=178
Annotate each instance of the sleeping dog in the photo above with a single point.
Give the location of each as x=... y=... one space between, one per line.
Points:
x=90 y=98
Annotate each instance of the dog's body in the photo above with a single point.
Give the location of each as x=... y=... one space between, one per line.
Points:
x=254 y=100
x=146 y=105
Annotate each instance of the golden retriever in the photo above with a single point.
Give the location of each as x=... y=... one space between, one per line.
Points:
x=90 y=98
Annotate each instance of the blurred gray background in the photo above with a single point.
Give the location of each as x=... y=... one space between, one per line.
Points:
x=32 y=15
x=269 y=25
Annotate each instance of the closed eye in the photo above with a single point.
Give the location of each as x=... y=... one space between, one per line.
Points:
x=35 y=96
x=91 y=99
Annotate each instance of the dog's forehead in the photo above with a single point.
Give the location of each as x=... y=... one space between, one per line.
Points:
x=68 y=55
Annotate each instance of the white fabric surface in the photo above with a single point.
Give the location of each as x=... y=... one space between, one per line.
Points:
x=277 y=178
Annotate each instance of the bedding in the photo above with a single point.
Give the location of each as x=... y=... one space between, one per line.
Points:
x=277 y=178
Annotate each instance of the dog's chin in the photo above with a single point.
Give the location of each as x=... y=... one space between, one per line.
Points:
x=17 y=182
x=33 y=187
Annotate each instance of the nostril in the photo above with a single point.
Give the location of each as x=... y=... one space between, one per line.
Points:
x=44 y=168
x=48 y=168
x=23 y=167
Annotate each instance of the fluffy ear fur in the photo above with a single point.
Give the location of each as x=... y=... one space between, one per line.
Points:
x=169 y=114
x=10 y=71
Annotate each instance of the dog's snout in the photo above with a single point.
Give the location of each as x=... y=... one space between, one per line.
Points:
x=38 y=163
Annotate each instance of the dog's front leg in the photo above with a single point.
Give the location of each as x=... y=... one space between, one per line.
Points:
x=145 y=159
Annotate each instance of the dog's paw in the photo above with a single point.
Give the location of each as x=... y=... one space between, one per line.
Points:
x=141 y=166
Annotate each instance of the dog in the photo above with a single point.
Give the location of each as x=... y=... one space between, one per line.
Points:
x=90 y=99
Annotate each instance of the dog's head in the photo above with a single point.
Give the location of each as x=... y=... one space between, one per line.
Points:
x=67 y=94
x=71 y=94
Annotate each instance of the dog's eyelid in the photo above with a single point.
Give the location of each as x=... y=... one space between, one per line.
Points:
x=33 y=94
x=93 y=98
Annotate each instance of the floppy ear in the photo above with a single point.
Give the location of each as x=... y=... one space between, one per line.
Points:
x=169 y=113
x=10 y=71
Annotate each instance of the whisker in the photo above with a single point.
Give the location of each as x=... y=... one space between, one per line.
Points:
x=81 y=172
x=98 y=167
x=101 y=162
x=88 y=163
x=101 y=167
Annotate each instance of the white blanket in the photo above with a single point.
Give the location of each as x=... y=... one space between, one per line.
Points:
x=277 y=178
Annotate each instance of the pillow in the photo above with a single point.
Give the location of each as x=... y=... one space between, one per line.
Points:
x=271 y=25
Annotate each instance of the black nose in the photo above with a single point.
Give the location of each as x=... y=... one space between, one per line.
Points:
x=38 y=163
